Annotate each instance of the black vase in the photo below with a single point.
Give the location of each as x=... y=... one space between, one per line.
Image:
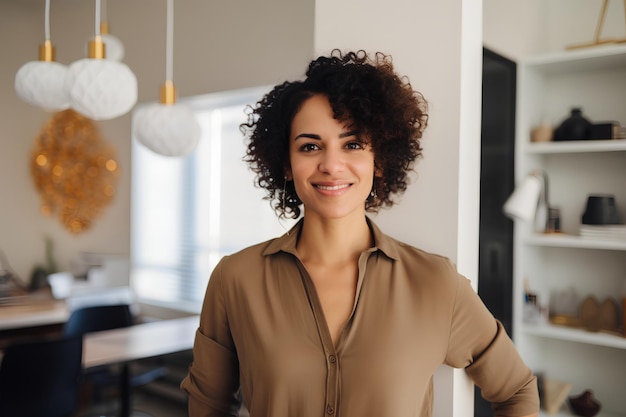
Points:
x=575 y=127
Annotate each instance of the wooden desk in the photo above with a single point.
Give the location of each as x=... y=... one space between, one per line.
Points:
x=147 y=340
x=141 y=341
x=118 y=346
x=32 y=313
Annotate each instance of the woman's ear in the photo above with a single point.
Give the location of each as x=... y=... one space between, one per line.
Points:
x=288 y=174
x=378 y=171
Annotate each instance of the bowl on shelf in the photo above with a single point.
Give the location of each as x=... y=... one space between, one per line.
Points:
x=601 y=209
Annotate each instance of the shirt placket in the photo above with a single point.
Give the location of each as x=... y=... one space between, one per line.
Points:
x=333 y=385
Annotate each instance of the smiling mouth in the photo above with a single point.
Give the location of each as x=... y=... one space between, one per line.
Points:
x=332 y=187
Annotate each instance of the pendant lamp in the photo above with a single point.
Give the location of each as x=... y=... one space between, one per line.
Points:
x=42 y=83
x=112 y=44
x=167 y=128
x=100 y=88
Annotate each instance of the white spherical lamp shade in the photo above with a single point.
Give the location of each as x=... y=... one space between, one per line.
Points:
x=101 y=89
x=42 y=84
x=114 y=48
x=167 y=129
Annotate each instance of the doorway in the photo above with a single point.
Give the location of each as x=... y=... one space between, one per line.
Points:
x=497 y=180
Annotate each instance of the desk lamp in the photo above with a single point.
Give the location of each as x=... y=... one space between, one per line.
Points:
x=529 y=201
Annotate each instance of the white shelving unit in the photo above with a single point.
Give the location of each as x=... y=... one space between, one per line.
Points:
x=548 y=87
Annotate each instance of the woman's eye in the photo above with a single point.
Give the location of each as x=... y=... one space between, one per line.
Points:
x=355 y=145
x=309 y=147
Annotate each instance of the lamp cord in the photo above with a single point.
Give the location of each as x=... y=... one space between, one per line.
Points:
x=169 y=45
x=97 y=17
x=47 y=21
x=103 y=13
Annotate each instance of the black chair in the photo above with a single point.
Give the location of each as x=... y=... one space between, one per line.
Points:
x=41 y=378
x=107 y=317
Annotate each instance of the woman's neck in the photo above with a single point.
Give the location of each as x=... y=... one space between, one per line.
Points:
x=333 y=241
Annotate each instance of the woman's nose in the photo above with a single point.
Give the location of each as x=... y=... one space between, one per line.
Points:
x=332 y=161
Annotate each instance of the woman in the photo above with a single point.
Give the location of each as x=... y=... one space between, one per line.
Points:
x=335 y=318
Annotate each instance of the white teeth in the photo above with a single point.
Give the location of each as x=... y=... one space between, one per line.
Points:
x=332 y=188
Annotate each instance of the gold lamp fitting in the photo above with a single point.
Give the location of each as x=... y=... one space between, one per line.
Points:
x=46 y=51
x=168 y=93
x=96 y=48
x=104 y=28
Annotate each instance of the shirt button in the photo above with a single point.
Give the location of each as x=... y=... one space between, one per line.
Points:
x=330 y=409
x=332 y=359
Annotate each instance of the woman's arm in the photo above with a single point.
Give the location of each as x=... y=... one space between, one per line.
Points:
x=479 y=343
x=212 y=383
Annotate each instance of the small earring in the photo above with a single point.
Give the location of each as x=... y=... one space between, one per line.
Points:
x=283 y=206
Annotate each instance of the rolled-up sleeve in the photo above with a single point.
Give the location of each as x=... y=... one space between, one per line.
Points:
x=480 y=344
x=213 y=379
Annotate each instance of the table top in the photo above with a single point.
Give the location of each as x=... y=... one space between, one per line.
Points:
x=32 y=312
x=140 y=341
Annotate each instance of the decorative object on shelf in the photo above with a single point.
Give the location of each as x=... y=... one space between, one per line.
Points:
x=74 y=170
x=100 y=88
x=532 y=311
x=564 y=307
x=603 y=232
x=585 y=404
x=590 y=314
x=554 y=394
x=112 y=44
x=601 y=210
x=42 y=83
x=542 y=132
x=606 y=130
x=596 y=316
x=597 y=40
x=529 y=201
x=575 y=127
x=609 y=315
x=554 y=220
x=167 y=128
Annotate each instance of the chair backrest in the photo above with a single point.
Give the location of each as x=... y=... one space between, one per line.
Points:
x=41 y=378
x=98 y=318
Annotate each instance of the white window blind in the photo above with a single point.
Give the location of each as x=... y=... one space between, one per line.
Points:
x=187 y=213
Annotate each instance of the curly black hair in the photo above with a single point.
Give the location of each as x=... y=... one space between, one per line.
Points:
x=365 y=92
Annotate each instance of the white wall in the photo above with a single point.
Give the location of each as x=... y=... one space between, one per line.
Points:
x=217 y=46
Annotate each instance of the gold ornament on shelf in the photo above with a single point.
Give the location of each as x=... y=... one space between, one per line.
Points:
x=74 y=170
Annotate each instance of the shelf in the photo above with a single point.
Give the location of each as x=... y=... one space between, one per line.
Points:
x=602 y=57
x=576 y=146
x=562 y=240
x=591 y=78
x=551 y=331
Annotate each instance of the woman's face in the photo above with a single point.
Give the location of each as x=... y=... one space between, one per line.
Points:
x=332 y=165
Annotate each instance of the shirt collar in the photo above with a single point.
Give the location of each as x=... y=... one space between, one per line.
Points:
x=287 y=242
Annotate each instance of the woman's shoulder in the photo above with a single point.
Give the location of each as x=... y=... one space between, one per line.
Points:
x=253 y=254
x=407 y=253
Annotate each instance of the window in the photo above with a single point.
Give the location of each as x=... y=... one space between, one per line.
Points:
x=187 y=213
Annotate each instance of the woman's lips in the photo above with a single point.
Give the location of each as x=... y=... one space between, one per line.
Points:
x=331 y=187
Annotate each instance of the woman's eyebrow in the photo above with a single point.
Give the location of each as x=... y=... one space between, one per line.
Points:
x=308 y=136
x=318 y=137
x=350 y=133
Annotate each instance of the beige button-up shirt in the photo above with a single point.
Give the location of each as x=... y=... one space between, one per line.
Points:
x=263 y=337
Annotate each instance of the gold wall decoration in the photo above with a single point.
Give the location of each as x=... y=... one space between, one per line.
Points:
x=74 y=170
